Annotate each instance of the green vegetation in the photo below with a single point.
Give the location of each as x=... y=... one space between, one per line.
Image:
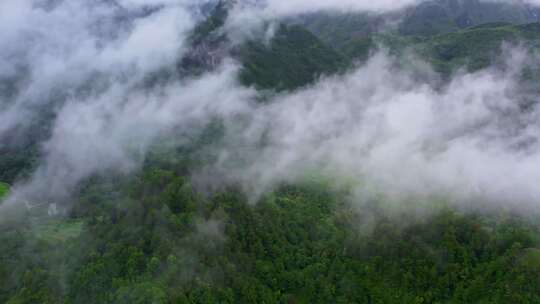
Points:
x=473 y=48
x=152 y=237
x=292 y=59
x=429 y=18
x=161 y=242
x=442 y=16
x=450 y=44
x=295 y=57
x=530 y=259
x=477 y=47
x=339 y=29
x=216 y=20
x=4 y=189
x=55 y=231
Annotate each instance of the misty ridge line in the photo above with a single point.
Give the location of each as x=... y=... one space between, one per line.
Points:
x=379 y=124
x=469 y=139
x=362 y=130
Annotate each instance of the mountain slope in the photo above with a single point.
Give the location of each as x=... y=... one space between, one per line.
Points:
x=472 y=48
x=439 y=16
x=152 y=236
x=292 y=59
x=430 y=17
x=476 y=47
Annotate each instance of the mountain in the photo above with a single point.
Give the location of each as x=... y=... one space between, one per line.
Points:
x=155 y=235
x=305 y=47
x=430 y=17
x=338 y=29
x=208 y=45
x=477 y=47
x=293 y=58
x=473 y=47
x=440 y=16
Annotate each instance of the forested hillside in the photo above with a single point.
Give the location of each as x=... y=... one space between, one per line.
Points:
x=175 y=228
x=436 y=16
x=157 y=241
x=429 y=18
x=292 y=59
x=472 y=48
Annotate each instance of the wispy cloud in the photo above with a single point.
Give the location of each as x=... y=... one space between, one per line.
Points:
x=379 y=123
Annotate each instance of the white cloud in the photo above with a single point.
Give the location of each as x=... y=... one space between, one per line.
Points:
x=378 y=123
x=66 y=46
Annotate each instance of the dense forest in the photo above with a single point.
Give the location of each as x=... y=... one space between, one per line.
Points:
x=156 y=235
x=156 y=240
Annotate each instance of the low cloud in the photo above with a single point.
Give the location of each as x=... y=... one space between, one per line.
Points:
x=61 y=48
x=379 y=124
x=249 y=16
x=85 y=64
x=115 y=130
x=470 y=140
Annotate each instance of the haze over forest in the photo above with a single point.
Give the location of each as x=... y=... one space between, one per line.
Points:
x=269 y=151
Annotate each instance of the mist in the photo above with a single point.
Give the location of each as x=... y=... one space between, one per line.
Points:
x=380 y=124
x=85 y=62
x=469 y=140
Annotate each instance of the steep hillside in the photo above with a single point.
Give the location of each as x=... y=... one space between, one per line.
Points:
x=157 y=241
x=339 y=29
x=180 y=224
x=439 y=16
x=477 y=47
x=431 y=17
x=472 y=48
x=292 y=59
